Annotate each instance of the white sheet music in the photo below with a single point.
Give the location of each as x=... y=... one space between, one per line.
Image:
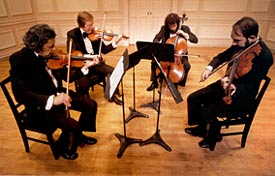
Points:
x=116 y=76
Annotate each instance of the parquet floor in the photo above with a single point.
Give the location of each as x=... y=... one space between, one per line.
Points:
x=186 y=158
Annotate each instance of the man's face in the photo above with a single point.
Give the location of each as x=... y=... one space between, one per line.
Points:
x=173 y=27
x=48 y=48
x=238 y=38
x=88 y=27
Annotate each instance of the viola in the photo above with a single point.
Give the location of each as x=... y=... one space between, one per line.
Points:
x=242 y=65
x=107 y=34
x=59 y=59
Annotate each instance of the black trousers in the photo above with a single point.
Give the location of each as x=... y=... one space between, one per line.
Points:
x=71 y=128
x=101 y=70
x=207 y=103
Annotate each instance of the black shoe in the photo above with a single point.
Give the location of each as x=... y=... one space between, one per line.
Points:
x=69 y=155
x=195 y=131
x=204 y=144
x=152 y=86
x=116 y=100
x=87 y=140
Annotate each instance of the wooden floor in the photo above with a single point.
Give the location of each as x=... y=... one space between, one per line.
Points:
x=186 y=157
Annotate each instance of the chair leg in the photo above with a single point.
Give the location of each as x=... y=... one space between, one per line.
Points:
x=25 y=139
x=245 y=134
x=54 y=149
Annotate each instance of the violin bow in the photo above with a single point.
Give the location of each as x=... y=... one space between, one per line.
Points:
x=236 y=56
x=102 y=35
x=68 y=73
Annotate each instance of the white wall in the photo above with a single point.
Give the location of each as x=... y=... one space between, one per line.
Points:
x=210 y=20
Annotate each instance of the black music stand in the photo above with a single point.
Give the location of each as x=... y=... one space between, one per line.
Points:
x=164 y=52
x=111 y=84
x=134 y=59
x=156 y=138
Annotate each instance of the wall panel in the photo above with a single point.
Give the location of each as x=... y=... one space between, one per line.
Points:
x=3 y=10
x=46 y=6
x=7 y=39
x=77 y=5
x=20 y=7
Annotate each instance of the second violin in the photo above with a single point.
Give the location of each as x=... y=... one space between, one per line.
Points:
x=106 y=34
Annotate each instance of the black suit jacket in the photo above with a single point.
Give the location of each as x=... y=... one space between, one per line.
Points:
x=79 y=45
x=31 y=83
x=164 y=34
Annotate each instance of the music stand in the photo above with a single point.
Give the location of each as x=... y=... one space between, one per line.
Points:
x=134 y=59
x=111 y=85
x=156 y=138
x=164 y=52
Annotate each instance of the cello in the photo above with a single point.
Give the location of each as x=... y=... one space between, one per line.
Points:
x=175 y=71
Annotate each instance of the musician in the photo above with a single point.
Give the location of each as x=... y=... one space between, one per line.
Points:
x=172 y=28
x=81 y=42
x=40 y=89
x=207 y=103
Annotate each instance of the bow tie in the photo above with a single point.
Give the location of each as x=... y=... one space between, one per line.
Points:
x=85 y=34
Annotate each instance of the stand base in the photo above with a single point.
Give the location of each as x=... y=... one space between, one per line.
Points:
x=135 y=113
x=154 y=104
x=124 y=143
x=156 y=138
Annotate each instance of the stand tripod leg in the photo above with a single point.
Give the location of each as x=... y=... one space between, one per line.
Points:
x=124 y=143
x=156 y=138
x=154 y=104
x=135 y=113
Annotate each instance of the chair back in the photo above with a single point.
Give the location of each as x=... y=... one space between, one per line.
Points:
x=18 y=109
x=19 y=113
x=240 y=118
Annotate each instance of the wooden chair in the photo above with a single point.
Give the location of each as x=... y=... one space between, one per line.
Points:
x=241 y=118
x=23 y=124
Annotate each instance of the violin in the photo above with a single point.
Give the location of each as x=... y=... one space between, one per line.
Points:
x=242 y=65
x=175 y=71
x=59 y=59
x=106 y=34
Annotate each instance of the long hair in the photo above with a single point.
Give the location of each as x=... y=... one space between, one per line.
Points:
x=172 y=18
x=37 y=36
x=82 y=17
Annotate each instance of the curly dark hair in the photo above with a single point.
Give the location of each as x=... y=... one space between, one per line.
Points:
x=37 y=36
x=248 y=26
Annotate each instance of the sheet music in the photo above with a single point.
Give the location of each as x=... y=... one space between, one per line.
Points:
x=117 y=74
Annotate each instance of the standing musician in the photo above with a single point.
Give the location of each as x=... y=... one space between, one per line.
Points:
x=172 y=27
x=40 y=89
x=82 y=43
x=209 y=102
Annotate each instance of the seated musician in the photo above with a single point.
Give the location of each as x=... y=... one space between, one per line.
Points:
x=172 y=27
x=212 y=101
x=82 y=43
x=40 y=89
